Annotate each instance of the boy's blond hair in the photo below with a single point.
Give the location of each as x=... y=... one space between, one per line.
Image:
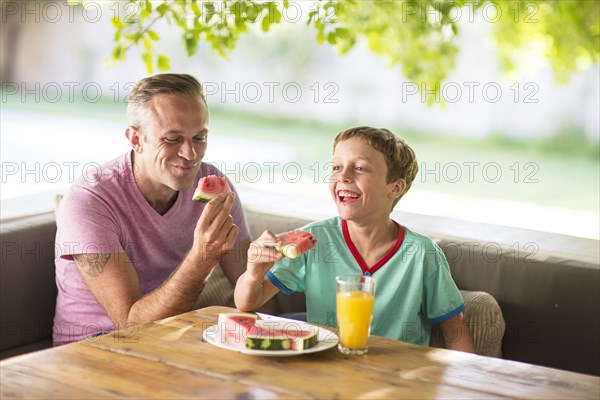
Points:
x=399 y=157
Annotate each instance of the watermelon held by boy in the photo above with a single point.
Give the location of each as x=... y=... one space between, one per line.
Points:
x=295 y=243
x=210 y=187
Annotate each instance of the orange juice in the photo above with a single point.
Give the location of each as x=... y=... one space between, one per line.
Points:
x=354 y=312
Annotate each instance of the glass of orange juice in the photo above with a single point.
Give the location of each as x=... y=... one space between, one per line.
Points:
x=355 y=295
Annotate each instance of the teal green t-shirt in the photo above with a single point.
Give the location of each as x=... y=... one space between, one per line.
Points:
x=414 y=288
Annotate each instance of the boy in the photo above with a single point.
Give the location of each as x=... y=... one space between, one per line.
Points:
x=372 y=170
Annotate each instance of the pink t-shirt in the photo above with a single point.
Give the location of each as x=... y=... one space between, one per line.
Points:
x=105 y=212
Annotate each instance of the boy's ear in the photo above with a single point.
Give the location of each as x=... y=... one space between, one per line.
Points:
x=398 y=188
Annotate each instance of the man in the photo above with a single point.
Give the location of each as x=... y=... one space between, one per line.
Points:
x=132 y=245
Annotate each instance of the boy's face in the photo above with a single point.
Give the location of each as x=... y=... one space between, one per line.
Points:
x=358 y=183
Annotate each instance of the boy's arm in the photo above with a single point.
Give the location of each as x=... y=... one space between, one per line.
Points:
x=250 y=294
x=253 y=289
x=457 y=335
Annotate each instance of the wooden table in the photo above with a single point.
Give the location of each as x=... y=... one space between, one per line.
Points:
x=169 y=359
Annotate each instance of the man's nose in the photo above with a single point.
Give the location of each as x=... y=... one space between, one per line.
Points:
x=187 y=151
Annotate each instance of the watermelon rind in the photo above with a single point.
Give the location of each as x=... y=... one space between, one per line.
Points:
x=202 y=196
x=261 y=343
x=295 y=243
x=289 y=250
x=287 y=338
x=307 y=342
x=202 y=199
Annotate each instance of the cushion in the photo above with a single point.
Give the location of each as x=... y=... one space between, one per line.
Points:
x=486 y=324
x=218 y=291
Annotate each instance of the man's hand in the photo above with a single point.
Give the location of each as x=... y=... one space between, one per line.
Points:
x=215 y=232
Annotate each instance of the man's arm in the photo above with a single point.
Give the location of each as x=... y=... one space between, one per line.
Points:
x=234 y=262
x=457 y=335
x=113 y=280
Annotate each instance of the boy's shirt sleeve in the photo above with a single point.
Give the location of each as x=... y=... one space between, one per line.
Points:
x=288 y=274
x=441 y=297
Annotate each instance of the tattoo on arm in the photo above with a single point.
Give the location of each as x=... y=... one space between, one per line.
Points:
x=92 y=264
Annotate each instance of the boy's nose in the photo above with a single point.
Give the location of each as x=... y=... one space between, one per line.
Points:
x=344 y=176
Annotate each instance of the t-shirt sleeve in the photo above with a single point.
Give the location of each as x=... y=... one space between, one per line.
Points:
x=86 y=225
x=288 y=274
x=441 y=297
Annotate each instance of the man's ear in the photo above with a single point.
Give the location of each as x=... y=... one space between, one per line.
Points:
x=135 y=138
x=398 y=188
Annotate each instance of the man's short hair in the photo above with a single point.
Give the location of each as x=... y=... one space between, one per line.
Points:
x=399 y=157
x=151 y=86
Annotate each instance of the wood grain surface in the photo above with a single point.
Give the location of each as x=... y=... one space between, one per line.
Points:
x=169 y=359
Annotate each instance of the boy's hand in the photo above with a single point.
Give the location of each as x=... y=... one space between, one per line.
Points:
x=262 y=255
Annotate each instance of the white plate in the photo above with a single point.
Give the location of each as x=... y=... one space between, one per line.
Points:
x=326 y=340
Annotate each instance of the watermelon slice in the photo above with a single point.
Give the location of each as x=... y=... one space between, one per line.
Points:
x=210 y=187
x=265 y=336
x=245 y=330
x=295 y=243
x=234 y=322
x=234 y=327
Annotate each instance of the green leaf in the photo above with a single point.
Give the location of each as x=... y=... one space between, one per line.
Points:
x=117 y=53
x=251 y=11
x=163 y=62
x=265 y=23
x=195 y=8
x=320 y=36
x=147 y=43
x=153 y=35
x=342 y=33
x=162 y=10
x=116 y=22
x=275 y=15
x=331 y=38
x=191 y=45
x=147 y=58
x=454 y=29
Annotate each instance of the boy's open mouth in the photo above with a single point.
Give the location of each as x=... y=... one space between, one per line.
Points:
x=346 y=196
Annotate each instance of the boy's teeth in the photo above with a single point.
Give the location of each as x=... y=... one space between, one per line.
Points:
x=345 y=193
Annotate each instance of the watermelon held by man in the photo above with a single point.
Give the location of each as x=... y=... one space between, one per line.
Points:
x=210 y=187
x=295 y=243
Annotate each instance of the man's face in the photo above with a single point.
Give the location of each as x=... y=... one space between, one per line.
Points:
x=172 y=143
